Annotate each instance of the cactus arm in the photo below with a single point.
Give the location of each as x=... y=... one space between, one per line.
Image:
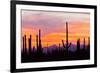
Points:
x=69 y=45
x=63 y=44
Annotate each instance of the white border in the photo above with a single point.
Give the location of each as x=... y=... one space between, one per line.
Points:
x=20 y=65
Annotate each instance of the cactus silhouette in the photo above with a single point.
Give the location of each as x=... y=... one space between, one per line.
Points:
x=88 y=47
x=29 y=44
x=59 y=45
x=40 y=45
x=25 y=44
x=84 y=43
x=88 y=42
x=78 y=47
x=67 y=43
x=38 y=42
x=63 y=44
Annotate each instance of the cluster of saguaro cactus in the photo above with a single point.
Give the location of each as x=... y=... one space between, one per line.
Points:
x=38 y=42
x=29 y=46
x=85 y=51
x=84 y=43
x=24 y=44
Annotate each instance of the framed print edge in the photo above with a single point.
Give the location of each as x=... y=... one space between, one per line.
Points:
x=13 y=36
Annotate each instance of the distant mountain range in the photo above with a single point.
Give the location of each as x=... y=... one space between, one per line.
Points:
x=54 y=47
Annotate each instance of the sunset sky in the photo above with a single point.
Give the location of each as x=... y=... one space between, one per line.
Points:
x=53 y=26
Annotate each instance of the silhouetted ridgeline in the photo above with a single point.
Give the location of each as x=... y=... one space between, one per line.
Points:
x=65 y=51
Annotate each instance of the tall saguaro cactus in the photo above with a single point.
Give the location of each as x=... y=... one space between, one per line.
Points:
x=67 y=43
x=38 y=42
x=25 y=44
x=40 y=46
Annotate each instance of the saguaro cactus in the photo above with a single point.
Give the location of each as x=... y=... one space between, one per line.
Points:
x=25 y=44
x=40 y=46
x=59 y=45
x=78 y=47
x=88 y=43
x=84 y=43
x=38 y=42
x=67 y=43
x=88 y=47
x=29 y=44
